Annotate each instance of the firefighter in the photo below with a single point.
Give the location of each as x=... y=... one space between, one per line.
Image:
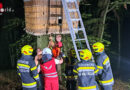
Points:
x=86 y=71
x=103 y=64
x=57 y=53
x=48 y=68
x=27 y=69
x=70 y=62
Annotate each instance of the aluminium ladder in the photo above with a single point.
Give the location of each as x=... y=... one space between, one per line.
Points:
x=73 y=30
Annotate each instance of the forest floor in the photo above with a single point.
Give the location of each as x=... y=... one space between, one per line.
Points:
x=10 y=81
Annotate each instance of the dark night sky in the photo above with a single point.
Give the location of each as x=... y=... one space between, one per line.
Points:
x=125 y=38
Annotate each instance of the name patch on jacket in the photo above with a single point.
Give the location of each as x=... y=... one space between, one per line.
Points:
x=23 y=66
x=22 y=61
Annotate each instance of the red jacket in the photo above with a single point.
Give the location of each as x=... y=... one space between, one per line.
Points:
x=49 y=69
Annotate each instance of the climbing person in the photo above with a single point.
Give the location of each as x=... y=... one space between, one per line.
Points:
x=86 y=71
x=70 y=62
x=56 y=50
x=51 y=43
x=38 y=59
x=48 y=69
x=103 y=64
x=27 y=69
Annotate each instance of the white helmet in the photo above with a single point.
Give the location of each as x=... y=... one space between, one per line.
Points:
x=46 y=51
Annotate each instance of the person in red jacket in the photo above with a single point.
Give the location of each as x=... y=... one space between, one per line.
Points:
x=48 y=69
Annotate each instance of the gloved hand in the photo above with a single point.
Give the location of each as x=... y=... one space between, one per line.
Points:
x=62 y=55
x=38 y=83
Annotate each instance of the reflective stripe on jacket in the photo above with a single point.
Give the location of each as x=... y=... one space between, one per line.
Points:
x=86 y=71
x=27 y=70
x=105 y=71
x=49 y=69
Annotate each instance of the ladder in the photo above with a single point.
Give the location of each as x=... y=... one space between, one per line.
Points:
x=70 y=22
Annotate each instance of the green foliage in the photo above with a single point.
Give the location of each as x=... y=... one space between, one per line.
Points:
x=13 y=24
x=26 y=39
x=93 y=39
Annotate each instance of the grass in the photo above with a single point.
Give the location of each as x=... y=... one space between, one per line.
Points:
x=9 y=80
x=120 y=85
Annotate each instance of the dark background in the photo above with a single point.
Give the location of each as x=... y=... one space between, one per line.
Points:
x=120 y=68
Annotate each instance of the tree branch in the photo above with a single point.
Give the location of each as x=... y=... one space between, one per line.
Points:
x=117 y=3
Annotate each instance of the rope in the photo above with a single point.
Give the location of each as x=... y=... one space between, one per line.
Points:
x=48 y=23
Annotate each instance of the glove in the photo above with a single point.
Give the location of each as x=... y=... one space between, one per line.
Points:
x=62 y=55
x=38 y=83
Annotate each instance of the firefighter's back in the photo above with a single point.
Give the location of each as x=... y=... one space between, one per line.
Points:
x=86 y=75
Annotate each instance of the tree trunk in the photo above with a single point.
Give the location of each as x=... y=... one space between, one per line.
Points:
x=119 y=40
x=42 y=41
x=103 y=5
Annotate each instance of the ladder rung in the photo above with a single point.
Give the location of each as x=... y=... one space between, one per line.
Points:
x=56 y=6
x=56 y=15
x=80 y=49
x=75 y=19
x=78 y=29
x=72 y=10
x=70 y=1
x=79 y=39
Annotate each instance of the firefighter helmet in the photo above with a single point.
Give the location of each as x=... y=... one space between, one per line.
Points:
x=98 y=47
x=85 y=54
x=72 y=51
x=27 y=50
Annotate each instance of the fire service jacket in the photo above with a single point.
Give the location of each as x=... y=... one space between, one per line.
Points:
x=27 y=70
x=86 y=71
x=105 y=71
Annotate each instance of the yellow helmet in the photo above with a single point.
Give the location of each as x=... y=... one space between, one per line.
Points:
x=73 y=53
x=27 y=50
x=85 y=54
x=98 y=47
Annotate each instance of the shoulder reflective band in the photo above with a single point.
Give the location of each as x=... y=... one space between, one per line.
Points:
x=105 y=61
x=17 y=67
x=23 y=65
x=65 y=76
x=75 y=71
x=75 y=76
x=68 y=77
x=34 y=68
x=83 y=68
x=87 y=88
x=19 y=74
x=37 y=76
x=96 y=71
x=100 y=67
x=29 y=84
x=107 y=81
